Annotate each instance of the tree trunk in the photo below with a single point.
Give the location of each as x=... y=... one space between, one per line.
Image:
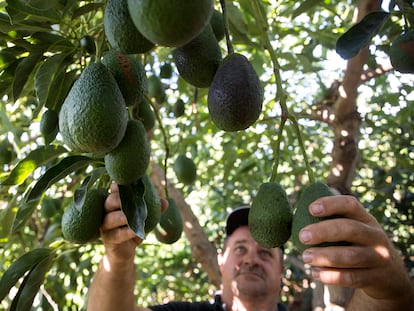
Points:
x=345 y=154
x=202 y=249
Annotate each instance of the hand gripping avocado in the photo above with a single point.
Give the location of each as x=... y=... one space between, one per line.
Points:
x=302 y=217
x=198 y=60
x=93 y=117
x=270 y=216
x=170 y=225
x=235 y=96
x=82 y=225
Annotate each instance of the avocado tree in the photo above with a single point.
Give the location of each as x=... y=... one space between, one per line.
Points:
x=337 y=107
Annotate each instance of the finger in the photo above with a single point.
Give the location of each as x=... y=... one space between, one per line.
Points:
x=119 y=235
x=342 y=229
x=113 y=201
x=346 y=257
x=114 y=220
x=344 y=205
x=114 y=187
x=355 y=278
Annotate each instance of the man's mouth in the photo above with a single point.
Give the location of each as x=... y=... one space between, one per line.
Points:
x=246 y=272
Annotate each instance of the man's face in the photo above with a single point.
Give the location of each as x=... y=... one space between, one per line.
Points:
x=249 y=270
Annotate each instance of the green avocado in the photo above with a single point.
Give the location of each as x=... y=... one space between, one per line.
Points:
x=93 y=117
x=81 y=225
x=185 y=169
x=235 y=96
x=198 y=60
x=120 y=30
x=170 y=225
x=402 y=52
x=270 y=216
x=152 y=200
x=129 y=75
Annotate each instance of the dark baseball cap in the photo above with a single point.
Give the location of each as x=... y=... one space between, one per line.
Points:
x=238 y=217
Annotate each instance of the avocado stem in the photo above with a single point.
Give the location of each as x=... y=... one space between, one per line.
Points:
x=302 y=148
x=230 y=49
x=277 y=151
x=281 y=96
x=166 y=145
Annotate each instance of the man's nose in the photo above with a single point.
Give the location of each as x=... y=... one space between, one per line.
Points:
x=251 y=258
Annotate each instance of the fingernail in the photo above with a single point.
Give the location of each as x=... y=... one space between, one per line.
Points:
x=316 y=273
x=305 y=236
x=317 y=208
x=307 y=257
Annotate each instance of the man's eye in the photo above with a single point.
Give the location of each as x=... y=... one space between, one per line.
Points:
x=240 y=250
x=266 y=254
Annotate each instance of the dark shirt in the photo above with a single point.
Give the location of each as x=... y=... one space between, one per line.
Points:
x=217 y=305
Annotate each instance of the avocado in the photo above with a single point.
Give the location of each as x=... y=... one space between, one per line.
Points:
x=302 y=216
x=185 y=169
x=170 y=23
x=171 y=224
x=152 y=200
x=198 y=60
x=235 y=96
x=129 y=75
x=120 y=30
x=270 y=216
x=129 y=161
x=81 y=224
x=93 y=117
x=402 y=52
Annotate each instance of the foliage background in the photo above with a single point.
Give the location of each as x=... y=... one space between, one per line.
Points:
x=230 y=166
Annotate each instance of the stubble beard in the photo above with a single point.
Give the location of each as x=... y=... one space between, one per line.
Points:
x=250 y=286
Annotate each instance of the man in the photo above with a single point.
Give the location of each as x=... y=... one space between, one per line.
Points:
x=251 y=274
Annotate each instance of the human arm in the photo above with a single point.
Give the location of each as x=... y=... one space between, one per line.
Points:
x=370 y=264
x=112 y=286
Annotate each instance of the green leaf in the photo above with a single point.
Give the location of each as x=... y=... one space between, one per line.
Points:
x=60 y=88
x=134 y=207
x=361 y=34
x=23 y=214
x=30 y=285
x=25 y=25
x=88 y=8
x=51 y=42
x=57 y=172
x=80 y=193
x=23 y=71
x=19 y=267
x=305 y=6
x=7 y=216
x=44 y=76
x=43 y=5
x=235 y=19
x=19 y=10
x=33 y=160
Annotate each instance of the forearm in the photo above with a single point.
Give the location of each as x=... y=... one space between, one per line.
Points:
x=112 y=287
